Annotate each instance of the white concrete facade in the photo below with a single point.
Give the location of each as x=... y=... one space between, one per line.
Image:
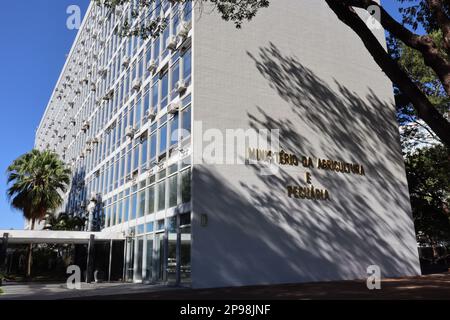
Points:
x=297 y=68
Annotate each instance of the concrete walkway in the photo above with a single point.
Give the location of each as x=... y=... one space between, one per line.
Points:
x=436 y=286
x=37 y=291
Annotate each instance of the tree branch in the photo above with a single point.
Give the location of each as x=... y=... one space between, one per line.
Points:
x=424 y=44
x=423 y=106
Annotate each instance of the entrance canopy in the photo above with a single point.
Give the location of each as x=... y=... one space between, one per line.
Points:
x=66 y=237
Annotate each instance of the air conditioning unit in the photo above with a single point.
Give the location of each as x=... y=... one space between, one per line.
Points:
x=93 y=87
x=94 y=141
x=126 y=61
x=180 y=86
x=86 y=125
x=71 y=104
x=109 y=95
x=174 y=107
x=128 y=178
x=102 y=71
x=93 y=197
x=171 y=43
x=130 y=131
x=152 y=65
x=183 y=29
x=136 y=85
x=150 y=115
x=78 y=91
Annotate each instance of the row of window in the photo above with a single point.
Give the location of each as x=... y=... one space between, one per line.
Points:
x=163 y=138
x=159 y=192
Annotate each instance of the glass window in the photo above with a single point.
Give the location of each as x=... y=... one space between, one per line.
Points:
x=163 y=139
x=149 y=227
x=138 y=111
x=161 y=195
x=161 y=225
x=151 y=200
x=175 y=77
x=152 y=147
x=164 y=90
x=186 y=123
x=136 y=157
x=133 y=206
x=155 y=95
x=119 y=212
x=126 y=209
x=173 y=191
x=140 y=229
x=187 y=67
x=186 y=186
x=141 y=203
x=144 y=149
x=174 y=130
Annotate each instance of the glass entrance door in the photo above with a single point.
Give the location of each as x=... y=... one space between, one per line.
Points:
x=148 y=261
x=139 y=253
x=158 y=258
x=129 y=260
x=172 y=265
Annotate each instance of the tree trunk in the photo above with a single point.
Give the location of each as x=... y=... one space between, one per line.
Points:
x=30 y=255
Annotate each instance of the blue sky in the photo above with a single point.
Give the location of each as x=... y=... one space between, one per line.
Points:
x=35 y=42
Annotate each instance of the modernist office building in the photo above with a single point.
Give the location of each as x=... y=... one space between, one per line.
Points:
x=122 y=115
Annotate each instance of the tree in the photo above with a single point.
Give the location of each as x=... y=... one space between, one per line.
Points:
x=428 y=173
x=64 y=222
x=35 y=183
x=415 y=133
x=433 y=15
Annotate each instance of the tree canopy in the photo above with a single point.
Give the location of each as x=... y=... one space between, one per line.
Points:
x=36 y=181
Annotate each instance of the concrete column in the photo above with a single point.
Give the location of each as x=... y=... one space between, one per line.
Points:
x=3 y=250
x=90 y=259
x=110 y=259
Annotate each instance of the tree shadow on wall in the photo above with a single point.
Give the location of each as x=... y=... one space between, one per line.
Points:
x=269 y=237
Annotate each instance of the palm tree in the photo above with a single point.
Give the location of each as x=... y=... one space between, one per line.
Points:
x=36 y=181
x=64 y=222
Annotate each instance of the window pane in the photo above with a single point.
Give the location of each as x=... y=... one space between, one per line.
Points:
x=174 y=130
x=126 y=209
x=186 y=125
x=141 y=203
x=133 y=206
x=173 y=191
x=153 y=147
x=144 y=144
x=163 y=139
x=162 y=195
x=186 y=186
x=151 y=200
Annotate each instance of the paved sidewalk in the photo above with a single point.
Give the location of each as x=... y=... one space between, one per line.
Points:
x=55 y=291
x=435 y=286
